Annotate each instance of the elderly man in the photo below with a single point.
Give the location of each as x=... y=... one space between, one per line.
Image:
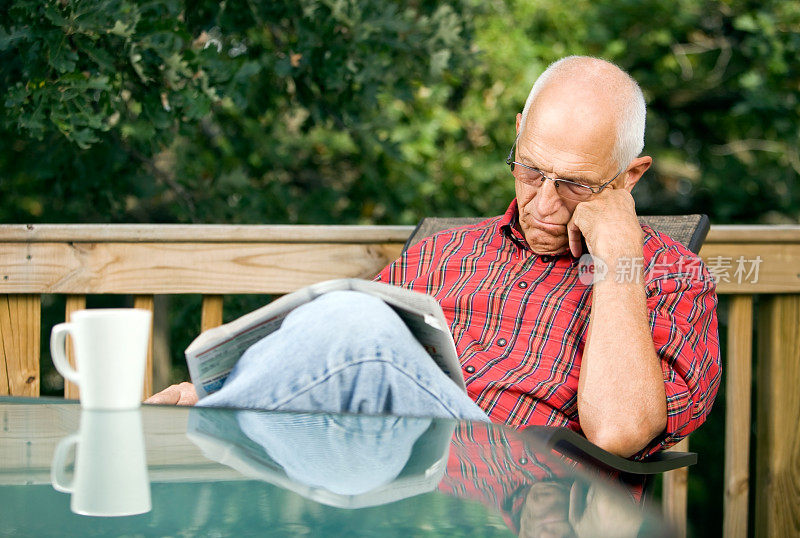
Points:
x=631 y=360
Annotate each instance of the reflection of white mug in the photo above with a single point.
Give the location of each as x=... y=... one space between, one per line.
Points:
x=110 y=465
x=110 y=353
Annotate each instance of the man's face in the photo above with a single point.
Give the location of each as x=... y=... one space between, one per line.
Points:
x=564 y=138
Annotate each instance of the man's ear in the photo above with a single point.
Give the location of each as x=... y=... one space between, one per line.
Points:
x=519 y=119
x=635 y=170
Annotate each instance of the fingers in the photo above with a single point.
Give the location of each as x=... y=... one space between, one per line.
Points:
x=188 y=396
x=181 y=394
x=607 y=223
x=574 y=236
x=168 y=396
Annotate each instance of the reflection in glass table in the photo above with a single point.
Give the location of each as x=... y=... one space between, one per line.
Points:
x=227 y=472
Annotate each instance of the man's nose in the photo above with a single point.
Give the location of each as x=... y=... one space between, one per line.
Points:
x=547 y=199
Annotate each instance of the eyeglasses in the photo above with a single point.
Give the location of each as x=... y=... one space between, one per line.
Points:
x=534 y=177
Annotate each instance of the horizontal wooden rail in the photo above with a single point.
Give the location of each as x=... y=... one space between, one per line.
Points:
x=191 y=267
x=218 y=259
x=749 y=233
x=299 y=233
x=754 y=267
x=201 y=233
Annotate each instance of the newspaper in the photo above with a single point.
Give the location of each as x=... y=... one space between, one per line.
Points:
x=213 y=354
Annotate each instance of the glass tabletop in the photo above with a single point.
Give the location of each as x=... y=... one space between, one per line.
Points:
x=177 y=471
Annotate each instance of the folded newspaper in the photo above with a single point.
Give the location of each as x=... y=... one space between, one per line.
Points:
x=213 y=354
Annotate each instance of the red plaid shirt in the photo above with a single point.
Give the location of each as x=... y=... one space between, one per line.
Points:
x=486 y=465
x=519 y=322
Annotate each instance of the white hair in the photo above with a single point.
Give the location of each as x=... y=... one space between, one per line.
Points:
x=632 y=108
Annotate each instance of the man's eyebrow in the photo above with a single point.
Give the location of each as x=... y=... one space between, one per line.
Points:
x=580 y=181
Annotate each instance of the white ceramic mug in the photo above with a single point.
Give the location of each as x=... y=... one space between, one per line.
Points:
x=110 y=477
x=110 y=353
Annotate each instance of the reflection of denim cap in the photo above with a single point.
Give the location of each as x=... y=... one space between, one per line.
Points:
x=344 y=454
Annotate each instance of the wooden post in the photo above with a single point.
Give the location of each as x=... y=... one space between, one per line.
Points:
x=20 y=324
x=162 y=362
x=675 y=494
x=212 y=312
x=778 y=417
x=74 y=303
x=738 y=368
x=146 y=302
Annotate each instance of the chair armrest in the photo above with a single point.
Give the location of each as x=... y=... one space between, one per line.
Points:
x=577 y=447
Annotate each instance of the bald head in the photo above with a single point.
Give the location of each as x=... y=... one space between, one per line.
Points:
x=584 y=91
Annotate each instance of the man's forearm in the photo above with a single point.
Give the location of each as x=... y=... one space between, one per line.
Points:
x=621 y=398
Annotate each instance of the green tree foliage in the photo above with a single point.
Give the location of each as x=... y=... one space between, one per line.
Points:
x=307 y=131
x=721 y=79
x=236 y=111
x=92 y=92
x=374 y=111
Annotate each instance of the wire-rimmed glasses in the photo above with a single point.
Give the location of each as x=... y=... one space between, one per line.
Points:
x=566 y=188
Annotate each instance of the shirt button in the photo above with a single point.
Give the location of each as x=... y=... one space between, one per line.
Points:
x=470 y=369
x=522 y=284
x=501 y=342
x=547 y=259
x=523 y=460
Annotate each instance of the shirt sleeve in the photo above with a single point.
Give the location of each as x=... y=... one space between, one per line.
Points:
x=682 y=302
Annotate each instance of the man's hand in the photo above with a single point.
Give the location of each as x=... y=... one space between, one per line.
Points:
x=609 y=225
x=181 y=394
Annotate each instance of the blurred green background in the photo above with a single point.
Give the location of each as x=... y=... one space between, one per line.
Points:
x=376 y=112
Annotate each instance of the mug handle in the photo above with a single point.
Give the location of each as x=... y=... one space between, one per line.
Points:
x=57 y=474
x=58 y=346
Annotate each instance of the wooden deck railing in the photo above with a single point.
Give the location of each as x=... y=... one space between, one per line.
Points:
x=758 y=266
